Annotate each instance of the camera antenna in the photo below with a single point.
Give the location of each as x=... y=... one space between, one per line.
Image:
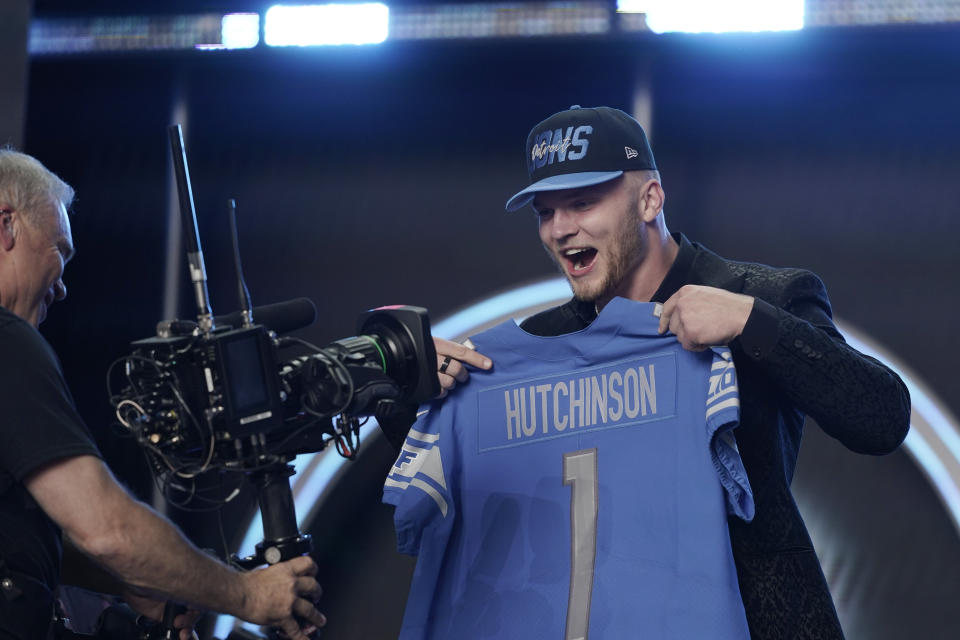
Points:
x=246 y=307
x=188 y=216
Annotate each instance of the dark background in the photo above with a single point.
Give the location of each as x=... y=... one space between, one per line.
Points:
x=377 y=175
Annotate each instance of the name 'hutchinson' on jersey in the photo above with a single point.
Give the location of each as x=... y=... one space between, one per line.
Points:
x=613 y=396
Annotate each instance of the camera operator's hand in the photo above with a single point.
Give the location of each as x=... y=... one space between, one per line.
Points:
x=451 y=358
x=284 y=596
x=153 y=608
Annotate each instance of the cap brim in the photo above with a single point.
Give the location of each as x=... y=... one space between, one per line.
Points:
x=556 y=183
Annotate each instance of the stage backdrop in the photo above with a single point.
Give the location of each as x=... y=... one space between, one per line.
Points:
x=377 y=176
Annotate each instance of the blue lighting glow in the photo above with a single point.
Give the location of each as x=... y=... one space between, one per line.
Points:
x=326 y=24
x=240 y=30
x=710 y=16
x=499 y=307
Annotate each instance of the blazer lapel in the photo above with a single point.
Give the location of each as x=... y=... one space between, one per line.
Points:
x=711 y=270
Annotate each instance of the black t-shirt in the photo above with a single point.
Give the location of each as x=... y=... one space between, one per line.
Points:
x=38 y=424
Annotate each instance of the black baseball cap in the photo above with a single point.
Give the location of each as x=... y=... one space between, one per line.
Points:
x=580 y=147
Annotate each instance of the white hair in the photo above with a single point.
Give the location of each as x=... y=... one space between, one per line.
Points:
x=28 y=186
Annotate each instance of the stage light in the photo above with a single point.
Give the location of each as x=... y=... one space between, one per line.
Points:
x=698 y=16
x=240 y=30
x=326 y=24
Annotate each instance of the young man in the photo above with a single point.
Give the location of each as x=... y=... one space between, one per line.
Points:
x=596 y=190
x=52 y=478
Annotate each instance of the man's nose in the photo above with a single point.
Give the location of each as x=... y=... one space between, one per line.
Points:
x=564 y=224
x=59 y=290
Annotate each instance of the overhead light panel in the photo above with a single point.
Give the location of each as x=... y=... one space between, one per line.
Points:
x=240 y=30
x=711 y=16
x=326 y=24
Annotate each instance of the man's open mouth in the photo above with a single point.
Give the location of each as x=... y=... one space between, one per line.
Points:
x=580 y=258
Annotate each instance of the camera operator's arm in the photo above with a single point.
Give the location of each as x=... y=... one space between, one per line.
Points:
x=150 y=555
x=79 y=570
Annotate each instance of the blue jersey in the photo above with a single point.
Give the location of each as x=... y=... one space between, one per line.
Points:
x=579 y=489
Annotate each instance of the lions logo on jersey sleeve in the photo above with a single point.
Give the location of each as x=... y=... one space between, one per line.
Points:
x=723 y=393
x=420 y=465
x=722 y=416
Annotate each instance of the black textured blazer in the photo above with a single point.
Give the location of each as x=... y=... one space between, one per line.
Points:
x=791 y=361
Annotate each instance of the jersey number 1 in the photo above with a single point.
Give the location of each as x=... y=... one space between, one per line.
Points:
x=580 y=474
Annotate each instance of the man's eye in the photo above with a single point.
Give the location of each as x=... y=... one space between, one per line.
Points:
x=544 y=213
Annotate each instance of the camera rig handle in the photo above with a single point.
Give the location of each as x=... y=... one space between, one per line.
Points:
x=282 y=539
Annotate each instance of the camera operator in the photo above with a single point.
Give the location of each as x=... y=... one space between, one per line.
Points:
x=52 y=477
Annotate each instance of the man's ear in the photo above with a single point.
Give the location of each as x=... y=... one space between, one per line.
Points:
x=651 y=204
x=7 y=236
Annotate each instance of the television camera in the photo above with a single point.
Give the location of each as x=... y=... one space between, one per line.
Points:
x=226 y=399
x=231 y=394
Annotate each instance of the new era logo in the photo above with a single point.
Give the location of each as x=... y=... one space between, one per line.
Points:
x=631 y=153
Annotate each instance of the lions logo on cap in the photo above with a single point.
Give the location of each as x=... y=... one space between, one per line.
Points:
x=560 y=146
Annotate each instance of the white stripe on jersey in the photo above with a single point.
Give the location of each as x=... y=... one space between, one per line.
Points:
x=729 y=402
x=433 y=493
x=423 y=437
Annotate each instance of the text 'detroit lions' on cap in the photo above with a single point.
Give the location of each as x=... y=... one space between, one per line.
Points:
x=580 y=147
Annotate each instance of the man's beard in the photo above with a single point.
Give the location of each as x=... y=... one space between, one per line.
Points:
x=621 y=258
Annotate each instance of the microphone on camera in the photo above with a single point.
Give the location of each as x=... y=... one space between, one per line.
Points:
x=280 y=317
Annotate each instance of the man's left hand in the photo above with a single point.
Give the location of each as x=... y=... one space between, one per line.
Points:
x=702 y=317
x=451 y=360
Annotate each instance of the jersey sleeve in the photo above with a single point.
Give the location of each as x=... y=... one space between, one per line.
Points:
x=722 y=418
x=417 y=483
